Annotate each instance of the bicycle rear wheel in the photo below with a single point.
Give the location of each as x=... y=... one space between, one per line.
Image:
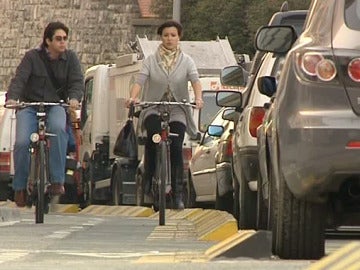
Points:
x=40 y=201
x=163 y=177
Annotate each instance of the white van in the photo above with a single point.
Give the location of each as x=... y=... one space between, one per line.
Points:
x=7 y=140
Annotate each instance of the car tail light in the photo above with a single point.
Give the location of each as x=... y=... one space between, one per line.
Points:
x=187 y=154
x=229 y=150
x=316 y=65
x=326 y=70
x=5 y=161
x=354 y=69
x=256 y=119
x=309 y=62
x=353 y=145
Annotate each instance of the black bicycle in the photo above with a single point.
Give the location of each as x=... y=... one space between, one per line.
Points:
x=161 y=185
x=38 y=180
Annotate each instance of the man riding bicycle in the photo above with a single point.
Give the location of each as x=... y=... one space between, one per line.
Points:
x=49 y=73
x=164 y=77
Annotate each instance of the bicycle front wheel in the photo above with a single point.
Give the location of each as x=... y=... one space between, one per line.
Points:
x=163 y=177
x=40 y=201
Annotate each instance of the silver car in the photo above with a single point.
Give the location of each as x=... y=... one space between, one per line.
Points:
x=310 y=154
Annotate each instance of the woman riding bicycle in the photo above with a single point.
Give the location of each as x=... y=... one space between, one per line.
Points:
x=164 y=77
x=49 y=73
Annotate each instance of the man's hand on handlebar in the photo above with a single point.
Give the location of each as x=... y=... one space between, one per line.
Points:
x=11 y=102
x=74 y=104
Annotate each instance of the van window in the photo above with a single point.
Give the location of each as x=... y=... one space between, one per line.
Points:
x=86 y=107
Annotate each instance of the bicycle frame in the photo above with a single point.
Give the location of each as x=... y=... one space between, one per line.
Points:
x=38 y=179
x=162 y=183
x=163 y=163
x=38 y=176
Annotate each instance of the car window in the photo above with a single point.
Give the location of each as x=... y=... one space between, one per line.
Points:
x=297 y=23
x=209 y=110
x=217 y=120
x=352 y=14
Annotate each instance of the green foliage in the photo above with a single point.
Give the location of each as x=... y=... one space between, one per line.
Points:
x=238 y=20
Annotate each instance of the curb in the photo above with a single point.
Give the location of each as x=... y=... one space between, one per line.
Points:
x=65 y=208
x=208 y=224
x=118 y=210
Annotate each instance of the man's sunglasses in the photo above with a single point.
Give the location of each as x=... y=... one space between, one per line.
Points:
x=60 y=38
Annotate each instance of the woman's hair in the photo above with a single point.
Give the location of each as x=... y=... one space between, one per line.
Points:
x=171 y=23
x=50 y=31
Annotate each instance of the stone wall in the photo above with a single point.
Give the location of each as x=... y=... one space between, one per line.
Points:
x=100 y=30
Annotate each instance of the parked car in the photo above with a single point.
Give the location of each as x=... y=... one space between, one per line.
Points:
x=245 y=152
x=311 y=147
x=207 y=165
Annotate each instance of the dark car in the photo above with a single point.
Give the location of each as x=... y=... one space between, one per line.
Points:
x=310 y=153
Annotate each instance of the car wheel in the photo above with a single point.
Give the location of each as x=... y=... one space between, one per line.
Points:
x=261 y=210
x=236 y=203
x=272 y=211
x=224 y=202
x=300 y=226
x=116 y=186
x=190 y=193
x=247 y=206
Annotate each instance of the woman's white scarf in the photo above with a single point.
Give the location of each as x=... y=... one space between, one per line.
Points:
x=168 y=57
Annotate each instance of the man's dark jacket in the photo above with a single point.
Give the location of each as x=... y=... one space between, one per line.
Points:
x=32 y=82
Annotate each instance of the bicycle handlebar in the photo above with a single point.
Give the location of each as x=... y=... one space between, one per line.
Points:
x=22 y=105
x=150 y=103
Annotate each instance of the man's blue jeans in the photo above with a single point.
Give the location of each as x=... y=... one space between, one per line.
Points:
x=26 y=123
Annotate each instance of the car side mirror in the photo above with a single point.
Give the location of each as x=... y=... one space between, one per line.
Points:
x=233 y=76
x=267 y=85
x=229 y=99
x=215 y=130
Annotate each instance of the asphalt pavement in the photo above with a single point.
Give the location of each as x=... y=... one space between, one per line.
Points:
x=191 y=238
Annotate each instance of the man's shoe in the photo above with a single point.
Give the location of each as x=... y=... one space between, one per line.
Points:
x=20 y=198
x=56 y=189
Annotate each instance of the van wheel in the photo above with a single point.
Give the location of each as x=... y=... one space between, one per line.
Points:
x=88 y=186
x=5 y=191
x=116 y=191
x=300 y=226
x=139 y=190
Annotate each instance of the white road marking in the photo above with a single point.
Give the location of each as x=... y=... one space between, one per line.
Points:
x=10 y=255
